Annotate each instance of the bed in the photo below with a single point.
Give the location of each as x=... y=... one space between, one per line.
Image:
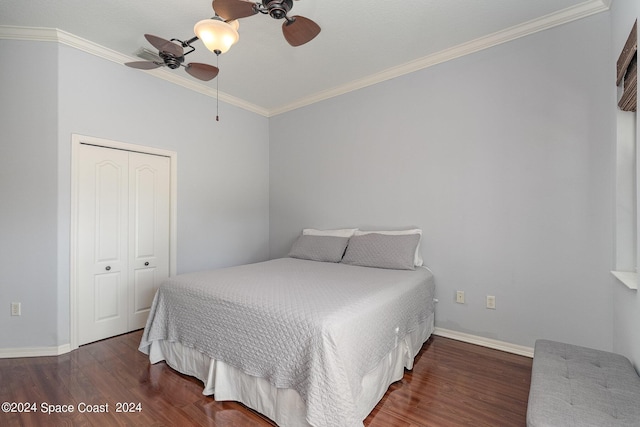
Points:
x=302 y=340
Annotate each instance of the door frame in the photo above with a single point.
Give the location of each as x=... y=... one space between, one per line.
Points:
x=74 y=289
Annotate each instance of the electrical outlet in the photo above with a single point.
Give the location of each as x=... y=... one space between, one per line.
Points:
x=15 y=309
x=460 y=297
x=491 y=302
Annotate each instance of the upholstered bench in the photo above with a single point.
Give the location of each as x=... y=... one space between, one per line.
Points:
x=578 y=386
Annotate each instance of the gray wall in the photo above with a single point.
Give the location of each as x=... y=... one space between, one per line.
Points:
x=505 y=158
x=626 y=323
x=222 y=173
x=28 y=180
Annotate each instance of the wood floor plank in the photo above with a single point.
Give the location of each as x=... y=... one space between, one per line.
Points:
x=452 y=384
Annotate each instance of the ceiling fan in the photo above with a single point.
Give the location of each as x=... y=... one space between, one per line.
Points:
x=172 y=55
x=297 y=30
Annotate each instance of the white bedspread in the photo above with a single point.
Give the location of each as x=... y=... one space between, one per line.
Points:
x=311 y=326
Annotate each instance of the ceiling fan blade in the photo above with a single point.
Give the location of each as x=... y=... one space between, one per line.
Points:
x=143 y=65
x=233 y=9
x=202 y=71
x=300 y=31
x=164 y=45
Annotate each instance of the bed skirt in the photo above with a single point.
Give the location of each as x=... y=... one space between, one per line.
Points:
x=282 y=405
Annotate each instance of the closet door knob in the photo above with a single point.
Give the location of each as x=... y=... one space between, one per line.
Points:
x=108 y=267
x=146 y=263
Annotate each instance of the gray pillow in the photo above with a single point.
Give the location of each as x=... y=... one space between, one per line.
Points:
x=382 y=251
x=319 y=248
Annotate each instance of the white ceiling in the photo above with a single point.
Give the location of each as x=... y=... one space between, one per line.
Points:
x=362 y=41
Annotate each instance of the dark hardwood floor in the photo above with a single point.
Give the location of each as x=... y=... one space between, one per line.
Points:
x=452 y=384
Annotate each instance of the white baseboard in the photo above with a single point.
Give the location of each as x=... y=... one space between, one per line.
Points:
x=485 y=342
x=11 y=353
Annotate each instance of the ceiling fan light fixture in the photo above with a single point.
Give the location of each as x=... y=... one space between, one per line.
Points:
x=218 y=36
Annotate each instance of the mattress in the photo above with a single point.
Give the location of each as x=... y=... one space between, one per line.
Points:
x=314 y=330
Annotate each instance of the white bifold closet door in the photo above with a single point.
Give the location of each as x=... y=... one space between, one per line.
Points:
x=123 y=238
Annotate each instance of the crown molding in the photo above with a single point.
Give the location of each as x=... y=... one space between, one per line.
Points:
x=579 y=11
x=28 y=33
x=573 y=13
x=68 y=39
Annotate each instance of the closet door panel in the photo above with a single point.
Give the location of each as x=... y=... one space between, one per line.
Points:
x=103 y=256
x=149 y=198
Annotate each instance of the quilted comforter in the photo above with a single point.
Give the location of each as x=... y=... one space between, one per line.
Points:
x=311 y=326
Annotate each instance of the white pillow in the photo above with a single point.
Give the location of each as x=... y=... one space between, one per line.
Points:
x=417 y=259
x=343 y=232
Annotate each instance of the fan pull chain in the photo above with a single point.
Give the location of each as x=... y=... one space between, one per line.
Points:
x=217 y=85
